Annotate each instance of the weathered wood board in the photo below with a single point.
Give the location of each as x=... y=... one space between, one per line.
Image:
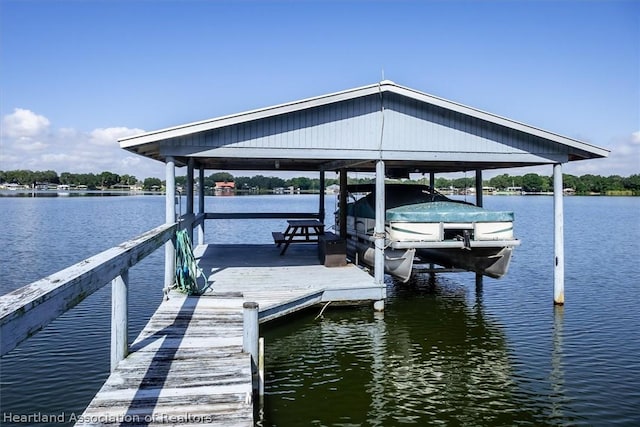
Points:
x=280 y=284
x=185 y=368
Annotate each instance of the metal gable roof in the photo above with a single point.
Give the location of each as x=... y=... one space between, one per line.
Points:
x=354 y=128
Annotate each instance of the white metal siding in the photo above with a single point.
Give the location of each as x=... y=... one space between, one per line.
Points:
x=356 y=124
x=414 y=126
x=346 y=125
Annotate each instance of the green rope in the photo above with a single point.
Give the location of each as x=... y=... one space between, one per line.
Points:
x=187 y=269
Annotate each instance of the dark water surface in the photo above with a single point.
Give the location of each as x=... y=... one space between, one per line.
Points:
x=443 y=352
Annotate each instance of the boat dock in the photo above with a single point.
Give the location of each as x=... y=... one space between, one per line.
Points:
x=200 y=353
x=188 y=366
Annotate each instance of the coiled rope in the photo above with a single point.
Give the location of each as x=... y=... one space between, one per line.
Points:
x=187 y=269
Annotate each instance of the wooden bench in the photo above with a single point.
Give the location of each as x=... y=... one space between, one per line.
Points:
x=278 y=237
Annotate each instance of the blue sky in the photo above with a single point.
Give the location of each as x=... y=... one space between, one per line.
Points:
x=76 y=75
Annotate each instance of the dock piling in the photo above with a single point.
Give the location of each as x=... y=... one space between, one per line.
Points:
x=261 y=366
x=119 y=318
x=170 y=218
x=558 y=233
x=250 y=338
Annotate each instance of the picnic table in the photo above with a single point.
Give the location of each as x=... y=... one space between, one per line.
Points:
x=298 y=231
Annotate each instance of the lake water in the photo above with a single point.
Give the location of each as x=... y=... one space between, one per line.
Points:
x=443 y=353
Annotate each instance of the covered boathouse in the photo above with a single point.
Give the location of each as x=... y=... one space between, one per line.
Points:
x=384 y=128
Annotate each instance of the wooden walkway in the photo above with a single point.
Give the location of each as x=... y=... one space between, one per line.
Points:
x=187 y=366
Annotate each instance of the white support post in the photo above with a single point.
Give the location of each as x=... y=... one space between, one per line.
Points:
x=558 y=241
x=250 y=337
x=119 y=319
x=201 y=204
x=190 y=168
x=170 y=218
x=379 y=231
x=479 y=203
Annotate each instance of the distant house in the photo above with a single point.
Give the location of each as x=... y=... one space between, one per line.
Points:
x=121 y=187
x=224 y=187
x=286 y=190
x=40 y=186
x=489 y=190
x=13 y=186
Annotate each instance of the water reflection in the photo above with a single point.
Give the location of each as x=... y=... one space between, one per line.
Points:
x=557 y=374
x=432 y=358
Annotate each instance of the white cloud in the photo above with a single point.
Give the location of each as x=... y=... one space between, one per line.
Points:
x=24 y=124
x=623 y=160
x=67 y=133
x=31 y=146
x=59 y=158
x=109 y=136
x=30 y=141
x=131 y=161
x=26 y=129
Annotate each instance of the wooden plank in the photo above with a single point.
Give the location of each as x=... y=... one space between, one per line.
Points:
x=185 y=368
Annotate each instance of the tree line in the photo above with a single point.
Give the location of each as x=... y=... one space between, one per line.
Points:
x=92 y=181
x=531 y=182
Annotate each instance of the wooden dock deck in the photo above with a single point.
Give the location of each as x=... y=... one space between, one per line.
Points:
x=187 y=367
x=281 y=284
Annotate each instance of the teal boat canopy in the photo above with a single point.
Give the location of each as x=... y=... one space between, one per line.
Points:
x=417 y=203
x=446 y=212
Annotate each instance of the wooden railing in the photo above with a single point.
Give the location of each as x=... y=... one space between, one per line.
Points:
x=262 y=215
x=29 y=309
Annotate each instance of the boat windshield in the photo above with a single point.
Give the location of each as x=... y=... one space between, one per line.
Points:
x=396 y=195
x=402 y=195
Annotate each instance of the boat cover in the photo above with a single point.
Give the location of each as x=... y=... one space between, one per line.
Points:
x=407 y=203
x=446 y=212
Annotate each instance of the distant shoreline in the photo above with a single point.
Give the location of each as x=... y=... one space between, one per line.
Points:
x=75 y=193
x=111 y=193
